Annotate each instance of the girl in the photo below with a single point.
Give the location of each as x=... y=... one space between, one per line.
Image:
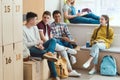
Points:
x=101 y=39
x=70 y=14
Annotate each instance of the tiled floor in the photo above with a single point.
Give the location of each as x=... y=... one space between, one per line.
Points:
x=86 y=76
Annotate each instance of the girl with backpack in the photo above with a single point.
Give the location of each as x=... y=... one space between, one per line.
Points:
x=101 y=39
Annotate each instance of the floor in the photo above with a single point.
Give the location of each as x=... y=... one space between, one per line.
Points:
x=86 y=76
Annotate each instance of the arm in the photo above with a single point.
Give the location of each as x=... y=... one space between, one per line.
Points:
x=68 y=16
x=28 y=43
x=67 y=32
x=92 y=40
x=110 y=37
x=42 y=36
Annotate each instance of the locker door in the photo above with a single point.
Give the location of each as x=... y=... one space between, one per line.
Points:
x=0 y=26
x=17 y=19
x=35 y=8
x=7 y=22
x=18 y=61
x=1 y=68
x=8 y=72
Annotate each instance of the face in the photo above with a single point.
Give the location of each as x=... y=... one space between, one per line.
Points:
x=57 y=18
x=34 y=21
x=46 y=19
x=103 y=21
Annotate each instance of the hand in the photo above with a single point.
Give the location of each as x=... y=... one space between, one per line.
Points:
x=66 y=39
x=40 y=46
x=101 y=41
x=84 y=13
x=78 y=14
x=41 y=42
x=94 y=42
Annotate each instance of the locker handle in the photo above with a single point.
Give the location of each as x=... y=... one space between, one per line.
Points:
x=10 y=60
x=7 y=61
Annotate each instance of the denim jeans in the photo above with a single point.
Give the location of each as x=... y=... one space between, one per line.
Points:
x=64 y=43
x=49 y=47
x=95 y=51
x=90 y=18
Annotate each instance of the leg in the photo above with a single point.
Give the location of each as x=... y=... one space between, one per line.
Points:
x=94 y=54
x=64 y=54
x=84 y=20
x=52 y=69
x=67 y=44
x=93 y=16
x=95 y=51
x=50 y=45
x=35 y=52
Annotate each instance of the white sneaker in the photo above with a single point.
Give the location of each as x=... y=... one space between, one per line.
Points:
x=92 y=71
x=86 y=65
x=71 y=51
x=73 y=73
x=73 y=59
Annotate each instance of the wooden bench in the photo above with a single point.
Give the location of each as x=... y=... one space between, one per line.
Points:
x=36 y=69
x=84 y=53
x=114 y=51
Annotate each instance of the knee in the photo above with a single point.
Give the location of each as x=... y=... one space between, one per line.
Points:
x=53 y=40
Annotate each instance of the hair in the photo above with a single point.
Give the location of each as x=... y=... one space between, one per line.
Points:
x=107 y=30
x=56 y=12
x=73 y=3
x=30 y=15
x=46 y=13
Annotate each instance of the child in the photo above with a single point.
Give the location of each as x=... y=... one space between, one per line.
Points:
x=101 y=39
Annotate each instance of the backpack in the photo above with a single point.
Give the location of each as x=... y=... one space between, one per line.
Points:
x=61 y=68
x=108 y=66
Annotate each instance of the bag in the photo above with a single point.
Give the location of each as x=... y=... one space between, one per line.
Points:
x=61 y=68
x=108 y=66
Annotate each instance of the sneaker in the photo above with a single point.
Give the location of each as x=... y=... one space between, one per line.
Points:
x=50 y=57
x=92 y=71
x=86 y=65
x=73 y=59
x=73 y=73
x=71 y=51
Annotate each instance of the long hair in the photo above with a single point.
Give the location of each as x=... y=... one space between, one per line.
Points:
x=107 y=30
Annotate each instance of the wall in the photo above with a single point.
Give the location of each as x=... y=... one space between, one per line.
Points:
x=34 y=6
x=52 y=5
x=82 y=32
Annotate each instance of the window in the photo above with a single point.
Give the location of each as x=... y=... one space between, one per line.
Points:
x=109 y=7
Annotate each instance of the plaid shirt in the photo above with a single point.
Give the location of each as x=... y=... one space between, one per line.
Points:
x=60 y=28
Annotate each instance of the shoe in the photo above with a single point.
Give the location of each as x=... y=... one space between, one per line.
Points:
x=73 y=73
x=86 y=65
x=56 y=78
x=71 y=51
x=73 y=59
x=92 y=71
x=49 y=56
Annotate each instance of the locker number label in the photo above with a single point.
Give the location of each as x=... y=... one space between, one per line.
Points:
x=7 y=8
x=17 y=8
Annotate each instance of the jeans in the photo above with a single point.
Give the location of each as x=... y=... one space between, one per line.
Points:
x=95 y=51
x=64 y=54
x=64 y=43
x=90 y=18
x=49 y=47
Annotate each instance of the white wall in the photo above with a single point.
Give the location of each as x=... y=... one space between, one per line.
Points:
x=52 y=5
